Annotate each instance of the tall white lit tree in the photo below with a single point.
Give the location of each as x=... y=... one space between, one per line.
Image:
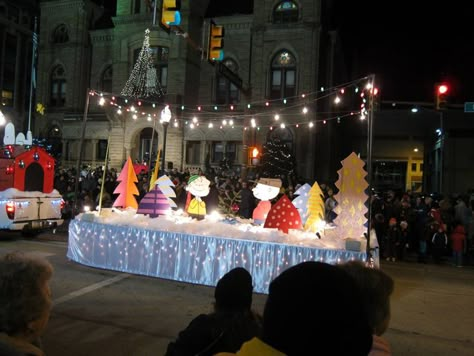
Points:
x=143 y=81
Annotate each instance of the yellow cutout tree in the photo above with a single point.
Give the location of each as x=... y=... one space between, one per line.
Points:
x=315 y=211
x=351 y=198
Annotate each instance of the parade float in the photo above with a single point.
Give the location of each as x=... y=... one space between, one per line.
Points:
x=154 y=239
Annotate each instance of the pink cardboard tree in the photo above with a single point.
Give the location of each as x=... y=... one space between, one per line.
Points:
x=127 y=189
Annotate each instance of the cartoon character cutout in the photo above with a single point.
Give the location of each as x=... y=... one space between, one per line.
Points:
x=266 y=190
x=198 y=186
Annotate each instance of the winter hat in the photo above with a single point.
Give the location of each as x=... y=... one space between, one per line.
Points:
x=192 y=178
x=234 y=290
x=316 y=308
x=273 y=182
x=403 y=224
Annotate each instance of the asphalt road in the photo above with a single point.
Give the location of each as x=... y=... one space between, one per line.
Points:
x=100 y=312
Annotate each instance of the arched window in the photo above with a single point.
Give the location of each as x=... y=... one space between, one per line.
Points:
x=58 y=87
x=283 y=75
x=285 y=11
x=226 y=91
x=106 y=80
x=60 y=34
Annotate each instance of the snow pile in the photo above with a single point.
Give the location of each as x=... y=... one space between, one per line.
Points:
x=213 y=225
x=11 y=193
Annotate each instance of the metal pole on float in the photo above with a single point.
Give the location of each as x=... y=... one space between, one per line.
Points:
x=81 y=150
x=33 y=72
x=104 y=175
x=370 y=123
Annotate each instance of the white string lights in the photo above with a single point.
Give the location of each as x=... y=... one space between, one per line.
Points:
x=298 y=111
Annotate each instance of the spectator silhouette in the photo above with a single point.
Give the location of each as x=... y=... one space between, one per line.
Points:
x=376 y=287
x=25 y=303
x=228 y=327
x=312 y=308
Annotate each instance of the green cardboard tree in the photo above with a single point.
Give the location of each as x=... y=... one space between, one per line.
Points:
x=127 y=189
x=351 y=197
x=315 y=209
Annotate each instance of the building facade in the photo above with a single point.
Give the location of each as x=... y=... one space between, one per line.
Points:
x=273 y=55
x=17 y=19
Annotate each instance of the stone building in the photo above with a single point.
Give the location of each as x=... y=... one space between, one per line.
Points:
x=17 y=20
x=275 y=50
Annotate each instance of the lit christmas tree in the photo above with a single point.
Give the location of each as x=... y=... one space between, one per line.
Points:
x=277 y=160
x=143 y=82
x=352 y=197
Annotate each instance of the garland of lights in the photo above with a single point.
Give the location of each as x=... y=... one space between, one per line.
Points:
x=191 y=117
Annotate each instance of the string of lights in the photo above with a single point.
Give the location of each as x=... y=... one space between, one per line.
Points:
x=284 y=115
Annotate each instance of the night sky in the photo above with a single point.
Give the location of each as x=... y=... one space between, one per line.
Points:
x=408 y=45
x=412 y=46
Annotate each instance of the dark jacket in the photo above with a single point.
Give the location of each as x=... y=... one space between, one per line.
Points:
x=208 y=334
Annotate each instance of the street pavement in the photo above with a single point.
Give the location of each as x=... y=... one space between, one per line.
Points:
x=101 y=312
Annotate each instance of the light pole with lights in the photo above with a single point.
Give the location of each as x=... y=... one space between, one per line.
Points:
x=165 y=120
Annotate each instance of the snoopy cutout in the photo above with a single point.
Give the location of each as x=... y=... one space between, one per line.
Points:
x=9 y=138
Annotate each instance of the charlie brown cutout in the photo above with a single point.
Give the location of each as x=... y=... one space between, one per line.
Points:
x=198 y=186
x=266 y=190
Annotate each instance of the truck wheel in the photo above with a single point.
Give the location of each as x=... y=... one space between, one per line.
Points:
x=30 y=233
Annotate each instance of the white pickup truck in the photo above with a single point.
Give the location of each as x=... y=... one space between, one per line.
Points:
x=30 y=212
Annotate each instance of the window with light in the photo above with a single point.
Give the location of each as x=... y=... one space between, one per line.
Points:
x=285 y=12
x=283 y=75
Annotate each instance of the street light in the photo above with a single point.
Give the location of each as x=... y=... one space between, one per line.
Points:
x=165 y=120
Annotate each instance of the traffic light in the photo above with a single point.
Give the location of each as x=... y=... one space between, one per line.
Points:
x=254 y=156
x=442 y=91
x=170 y=15
x=216 y=43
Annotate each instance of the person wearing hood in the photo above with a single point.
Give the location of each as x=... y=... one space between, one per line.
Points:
x=458 y=243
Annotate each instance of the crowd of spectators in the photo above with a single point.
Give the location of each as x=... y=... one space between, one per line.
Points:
x=405 y=223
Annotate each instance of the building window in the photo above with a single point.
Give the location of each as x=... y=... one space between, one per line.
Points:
x=217 y=152
x=106 y=80
x=58 y=87
x=226 y=91
x=60 y=34
x=101 y=149
x=285 y=11
x=136 y=6
x=7 y=98
x=193 y=152
x=160 y=62
x=413 y=167
x=283 y=75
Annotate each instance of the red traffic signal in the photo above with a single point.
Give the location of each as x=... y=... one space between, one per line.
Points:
x=442 y=91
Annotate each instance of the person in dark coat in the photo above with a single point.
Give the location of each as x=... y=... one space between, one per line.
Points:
x=247 y=202
x=230 y=325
